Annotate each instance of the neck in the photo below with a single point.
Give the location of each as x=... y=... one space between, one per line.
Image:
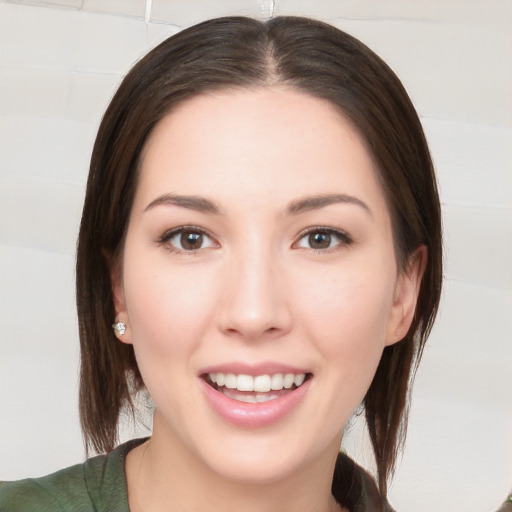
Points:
x=163 y=475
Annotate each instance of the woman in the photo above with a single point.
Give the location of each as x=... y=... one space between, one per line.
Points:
x=262 y=232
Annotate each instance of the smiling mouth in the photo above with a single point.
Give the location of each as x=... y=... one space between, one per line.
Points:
x=258 y=389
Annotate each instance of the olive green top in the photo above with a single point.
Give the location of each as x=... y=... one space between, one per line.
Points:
x=99 y=485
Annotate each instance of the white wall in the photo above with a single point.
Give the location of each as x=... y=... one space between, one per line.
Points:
x=60 y=61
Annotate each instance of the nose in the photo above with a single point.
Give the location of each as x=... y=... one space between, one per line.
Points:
x=254 y=303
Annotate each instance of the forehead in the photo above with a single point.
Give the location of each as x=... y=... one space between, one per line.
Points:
x=254 y=142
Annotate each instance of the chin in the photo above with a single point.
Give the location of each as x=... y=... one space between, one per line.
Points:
x=262 y=469
x=268 y=456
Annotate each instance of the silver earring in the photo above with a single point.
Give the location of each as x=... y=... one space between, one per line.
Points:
x=119 y=328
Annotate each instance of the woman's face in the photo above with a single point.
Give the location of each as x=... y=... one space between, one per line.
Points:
x=259 y=255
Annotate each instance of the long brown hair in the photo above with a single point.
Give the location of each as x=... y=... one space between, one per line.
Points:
x=237 y=52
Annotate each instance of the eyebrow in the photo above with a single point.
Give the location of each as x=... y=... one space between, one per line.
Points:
x=304 y=204
x=197 y=203
x=309 y=203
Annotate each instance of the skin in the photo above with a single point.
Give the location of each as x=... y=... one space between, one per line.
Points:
x=255 y=291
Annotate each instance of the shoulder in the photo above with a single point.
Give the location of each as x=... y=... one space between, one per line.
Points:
x=97 y=485
x=56 y=492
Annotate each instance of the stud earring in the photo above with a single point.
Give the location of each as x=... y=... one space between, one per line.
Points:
x=119 y=328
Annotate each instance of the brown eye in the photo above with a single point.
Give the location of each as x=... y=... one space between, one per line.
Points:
x=322 y=239
x=319 y=240
x=191 y=241
x=186 y=240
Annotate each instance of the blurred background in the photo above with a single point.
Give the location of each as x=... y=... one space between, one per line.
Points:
x=60 y=62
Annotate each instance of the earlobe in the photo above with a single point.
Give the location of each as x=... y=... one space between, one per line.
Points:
x=121 y=323
x=406 y=296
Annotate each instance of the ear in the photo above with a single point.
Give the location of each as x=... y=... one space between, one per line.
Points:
x=407 y=289
x=116 y=280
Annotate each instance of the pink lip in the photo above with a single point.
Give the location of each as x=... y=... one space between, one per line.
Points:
x=248 y=415
x=268 y=368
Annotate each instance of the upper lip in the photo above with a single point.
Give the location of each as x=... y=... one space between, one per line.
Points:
x=265 y=368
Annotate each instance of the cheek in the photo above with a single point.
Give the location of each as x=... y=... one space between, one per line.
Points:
x=347 y=316
x=169 y=312
x=168 y=308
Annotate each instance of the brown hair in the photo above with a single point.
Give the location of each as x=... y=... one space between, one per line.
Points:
x=237 y=52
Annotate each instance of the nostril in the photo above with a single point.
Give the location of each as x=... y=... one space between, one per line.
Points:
x=253 y=329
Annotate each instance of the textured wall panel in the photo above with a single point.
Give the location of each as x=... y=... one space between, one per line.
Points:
x=134 y=8
x=182 y=13
x=58 y=4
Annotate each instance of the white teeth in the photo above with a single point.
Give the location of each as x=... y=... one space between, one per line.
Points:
x=250 y=399
x=259 y=384
x=262 y=383
x=277 y=382
x=265 y=398
x=245 y=383
x=299 y=379
x=288 y=380
x=230 y=381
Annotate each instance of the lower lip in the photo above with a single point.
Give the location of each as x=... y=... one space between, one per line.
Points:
x=248 y=415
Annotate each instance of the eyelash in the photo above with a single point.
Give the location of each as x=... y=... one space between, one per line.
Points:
x=344 y=239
